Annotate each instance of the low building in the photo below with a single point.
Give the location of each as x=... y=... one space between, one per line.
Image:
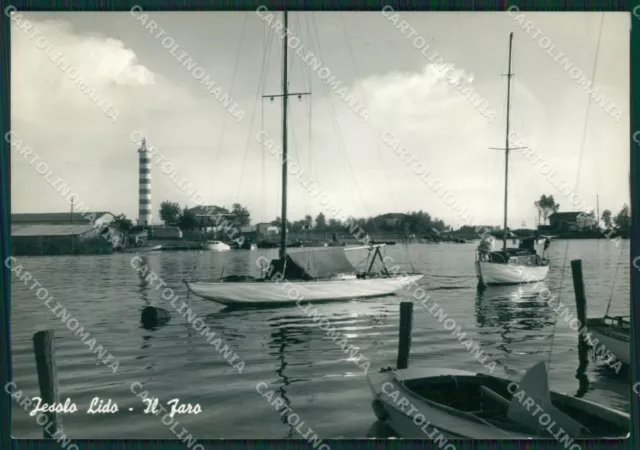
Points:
x=272 y=229
x=46 y=239
x=261 y=228
x=209 y=217
x=571 y=221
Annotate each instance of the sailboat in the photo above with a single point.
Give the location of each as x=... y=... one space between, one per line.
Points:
x=613 y=333
x=510 y=265
x=322 y=274
x=467 y=405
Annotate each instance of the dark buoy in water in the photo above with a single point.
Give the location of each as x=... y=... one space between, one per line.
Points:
x=153 y=317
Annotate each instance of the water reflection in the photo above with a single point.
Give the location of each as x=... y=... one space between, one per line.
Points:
x=517 y=306
x=146 y=344
x=286 y=335
x=144 y=285
x=519 y=316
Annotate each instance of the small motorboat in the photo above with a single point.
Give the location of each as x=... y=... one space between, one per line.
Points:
x=613 y=334
x=216 y=246
x=143 y=249
x=466 y=405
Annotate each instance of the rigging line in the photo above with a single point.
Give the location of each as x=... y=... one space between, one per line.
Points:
x=337 y=125
x=226 y=115
x=327 y=96
x=261 y=82
x=264 y=195
x=593 y=78
x=307 y=72
x=265 y=46
x=366 y=104
x=312 y=157
x=615 y=278
x=309 y=149
x=584 y=134
x=306 y=75
x=294 y=141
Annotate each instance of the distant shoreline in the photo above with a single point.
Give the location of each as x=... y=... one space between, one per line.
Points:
x=189 y=245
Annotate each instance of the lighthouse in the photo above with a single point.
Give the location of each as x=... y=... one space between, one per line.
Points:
x=144 y=188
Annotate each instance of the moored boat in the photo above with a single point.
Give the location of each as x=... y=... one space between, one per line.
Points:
x=510 y=266
x=613 y=334
x=142 y=249
x=315 y=275
x=310 y=275
x=216 y=246
x=460 y=404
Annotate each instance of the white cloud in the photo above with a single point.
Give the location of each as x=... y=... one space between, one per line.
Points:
x=436 y=122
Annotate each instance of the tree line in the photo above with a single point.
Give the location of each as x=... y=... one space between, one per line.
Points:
x=416 y=222
x=412 y=222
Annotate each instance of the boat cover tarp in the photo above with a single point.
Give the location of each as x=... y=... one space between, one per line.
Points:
x=312 y=264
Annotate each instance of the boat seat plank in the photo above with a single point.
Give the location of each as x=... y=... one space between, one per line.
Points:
x=495 y=396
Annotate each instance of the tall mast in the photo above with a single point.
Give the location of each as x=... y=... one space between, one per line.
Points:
x=285 y=82
x=285 y=95
x=506 y=159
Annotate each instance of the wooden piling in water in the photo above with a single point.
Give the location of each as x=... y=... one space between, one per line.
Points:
x=47 y=376
x=581 y=311
x=404 y=341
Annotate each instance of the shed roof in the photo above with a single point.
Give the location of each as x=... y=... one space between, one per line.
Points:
x=50 y=230
x=63 y=217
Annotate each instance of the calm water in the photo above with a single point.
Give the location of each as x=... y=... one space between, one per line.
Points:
x=284 y=348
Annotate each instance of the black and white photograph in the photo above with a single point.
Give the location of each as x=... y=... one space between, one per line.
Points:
x=316 y=225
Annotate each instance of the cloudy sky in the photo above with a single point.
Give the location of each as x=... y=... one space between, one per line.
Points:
x=156 y=95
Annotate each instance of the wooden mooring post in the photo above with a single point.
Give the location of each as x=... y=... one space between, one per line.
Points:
x=404 y=341
x=581 y=310
x=47 y=376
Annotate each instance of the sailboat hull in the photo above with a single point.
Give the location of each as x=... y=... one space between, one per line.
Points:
x=490 y=273
x=263 y=293
x=612 y=340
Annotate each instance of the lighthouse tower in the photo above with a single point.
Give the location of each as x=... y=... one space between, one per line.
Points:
x=144 y=192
